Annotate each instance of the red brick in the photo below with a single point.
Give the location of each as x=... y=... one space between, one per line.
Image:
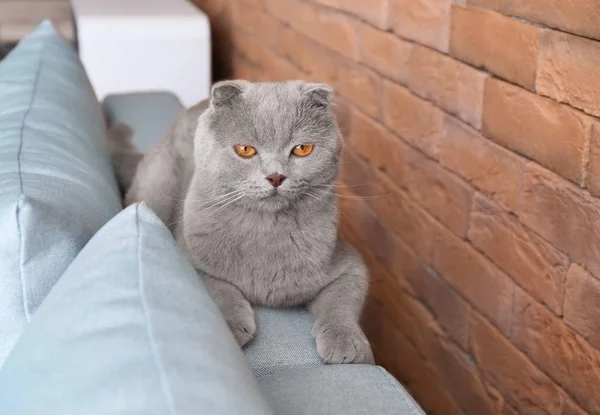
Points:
x=261 y=24
x=395 y=210
x=242 y=15
x=385 y=53
x=357 y=176
x=343 y=116
x=416 y=323
x=575 y=16
x=509 y=410
x=378 y=272
x=523 y=385
x=487 y=166
x=552 y=134
x=213 y=7
x=375 y=12
x=375 y=143
x=474 y=277
x=461 y=378
x=362 y=87
x=330 y=28
x=414 y=119
x=504 y=46
x=444 y=196
x=424 y=21
x=273 y=67
x=581 y=304
x=568 y=70
x=404 y=217
x=365 y=221
x=405 y=264
x=244 y=69
x=256 y=3
x=389 y=291
x=593 y=174
x=532 y=262
x=451 y=311
x=567 y=357
x=314 y=60
x=571 y=408
x=407 y=365
x=563 y=214
x=453 y=86
x=284 y=10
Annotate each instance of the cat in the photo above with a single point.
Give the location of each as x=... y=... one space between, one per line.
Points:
x=246 y=183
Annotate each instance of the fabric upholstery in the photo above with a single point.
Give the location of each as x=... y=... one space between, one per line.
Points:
x=56 y=183
x=283 y=341
x=149 y=114
x=337 y=389
x=129 y=329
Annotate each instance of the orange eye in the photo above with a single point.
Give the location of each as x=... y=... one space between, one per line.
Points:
x=302 y=150
x=245 y=151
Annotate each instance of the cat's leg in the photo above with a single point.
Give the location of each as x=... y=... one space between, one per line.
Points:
x=337 y=311
x=236 y=310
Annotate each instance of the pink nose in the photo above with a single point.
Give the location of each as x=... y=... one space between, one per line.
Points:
x=276 y=179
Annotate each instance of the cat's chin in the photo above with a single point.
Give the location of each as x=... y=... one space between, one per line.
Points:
x=273 y=202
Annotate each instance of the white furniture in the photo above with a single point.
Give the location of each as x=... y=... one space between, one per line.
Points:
x=144 y=45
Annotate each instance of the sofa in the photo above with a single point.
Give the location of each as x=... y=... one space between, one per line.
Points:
x=100 y=312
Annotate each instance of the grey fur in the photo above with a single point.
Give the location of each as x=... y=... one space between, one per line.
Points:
x=255 y=243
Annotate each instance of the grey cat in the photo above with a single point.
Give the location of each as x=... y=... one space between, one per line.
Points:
x=246 y=184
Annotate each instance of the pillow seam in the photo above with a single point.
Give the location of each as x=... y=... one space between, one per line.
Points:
x=154 y=349
x=34 y=90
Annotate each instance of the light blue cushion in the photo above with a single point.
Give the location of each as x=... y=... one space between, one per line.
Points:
x=56 y=184
x=283 y=341
x=149 y=114
x=337 y=389
x=129 y=329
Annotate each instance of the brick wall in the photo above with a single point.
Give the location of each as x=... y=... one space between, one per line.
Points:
x=472 y=123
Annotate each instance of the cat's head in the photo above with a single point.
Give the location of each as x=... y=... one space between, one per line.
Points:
x=270 y=143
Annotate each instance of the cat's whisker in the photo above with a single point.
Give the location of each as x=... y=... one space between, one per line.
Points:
x=328 y=203
x=345 y=185
x=231 y=196
x=217 y=205
x=235 y=199
x=212 y=199
x=343 y=196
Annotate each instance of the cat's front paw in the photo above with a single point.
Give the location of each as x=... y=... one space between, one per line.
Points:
x=241 y=322
x=341 y=344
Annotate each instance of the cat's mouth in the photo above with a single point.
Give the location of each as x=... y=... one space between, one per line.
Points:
x=273 y=194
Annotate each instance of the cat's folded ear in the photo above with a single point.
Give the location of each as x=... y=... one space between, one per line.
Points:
x=226 y=92
x=320 y=94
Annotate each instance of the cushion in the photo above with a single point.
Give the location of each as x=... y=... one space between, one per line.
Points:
x=129 y=329
x=56 y=182
x=337 y=389
x=149 y=114
x=283 y=341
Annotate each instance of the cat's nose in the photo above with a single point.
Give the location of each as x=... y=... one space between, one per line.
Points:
x=276 y=179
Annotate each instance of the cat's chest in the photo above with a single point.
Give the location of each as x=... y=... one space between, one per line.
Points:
x=263 y=239
x=268 y=257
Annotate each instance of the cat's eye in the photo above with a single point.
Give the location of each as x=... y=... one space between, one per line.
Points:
x=245 y=151
x=302 y=150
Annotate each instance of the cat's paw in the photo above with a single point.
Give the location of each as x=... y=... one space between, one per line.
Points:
x=241 y=322
x=341 y=344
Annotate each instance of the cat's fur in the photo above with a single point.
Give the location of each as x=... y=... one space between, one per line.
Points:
x=258 y=244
